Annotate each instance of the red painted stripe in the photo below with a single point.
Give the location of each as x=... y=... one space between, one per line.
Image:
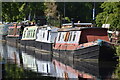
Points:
x=13 y=35
x=67 y=43
x=14 y=26
x=61 y=46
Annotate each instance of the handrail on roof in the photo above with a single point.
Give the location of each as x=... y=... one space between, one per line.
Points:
x=77 y=24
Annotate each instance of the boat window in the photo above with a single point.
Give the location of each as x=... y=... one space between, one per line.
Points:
x=70 y=37
x=10 y=31
x=43 y=34
x=24 y=34
x=59 y=37
x=28 y=33
x=33 y=33
x=67 y=36
x=48 y=35
x=74 y=36
x=18 y=31
x=63 y=36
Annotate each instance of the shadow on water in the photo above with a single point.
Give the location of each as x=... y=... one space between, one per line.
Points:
x=46 y=65
x=98 y=69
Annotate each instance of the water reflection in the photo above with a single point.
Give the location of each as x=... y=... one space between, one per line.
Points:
x=54 y=66
x=38 y=65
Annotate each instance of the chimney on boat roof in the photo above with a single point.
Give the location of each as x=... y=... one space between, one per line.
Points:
x=72 y=21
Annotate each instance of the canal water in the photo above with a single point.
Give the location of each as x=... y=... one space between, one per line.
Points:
x=53 y=67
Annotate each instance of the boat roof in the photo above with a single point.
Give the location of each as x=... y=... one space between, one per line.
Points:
x=30 y=26
x=77 y=29
x=67 y=24
x=46 y=27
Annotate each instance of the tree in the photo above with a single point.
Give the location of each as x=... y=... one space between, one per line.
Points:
x=80 y=11
x=16 y=11
x=52 y=13
x=110 y=15
x=9 y=11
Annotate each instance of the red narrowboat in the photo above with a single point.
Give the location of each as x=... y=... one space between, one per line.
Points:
x=14 y=33
x=83 y=43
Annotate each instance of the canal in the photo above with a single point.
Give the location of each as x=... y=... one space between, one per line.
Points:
x=19 y=61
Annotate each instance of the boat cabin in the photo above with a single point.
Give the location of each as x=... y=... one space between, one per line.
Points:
x=46 y=34
x=14 y=30
x=73 y=38
x=29 y=33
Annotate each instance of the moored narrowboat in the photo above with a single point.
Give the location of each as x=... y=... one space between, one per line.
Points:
x=45 y=37
x=78 y=43
x=14 y=33
x=29 y=36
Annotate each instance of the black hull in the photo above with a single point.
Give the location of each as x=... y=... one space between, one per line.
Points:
x=28 y=43
x=31 y=43
x=43 y=46
x=13 y=39
x=96 y=52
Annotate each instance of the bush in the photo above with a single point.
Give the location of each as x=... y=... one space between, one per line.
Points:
x=118 y=50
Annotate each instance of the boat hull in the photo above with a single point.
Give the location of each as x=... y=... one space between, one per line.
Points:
x=43 y=46
x=13 y=41
x=28 y=43
x=101 y=52
x=31 y=43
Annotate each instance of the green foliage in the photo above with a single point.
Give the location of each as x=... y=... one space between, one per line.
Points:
x=15 y=11
x=67 y=18
x=116 y=73
x=110 y=15
x=80 y=11
x=118 y=50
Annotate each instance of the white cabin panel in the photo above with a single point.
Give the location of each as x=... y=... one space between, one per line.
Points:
x=43 y=36
x=61 y=37
x=29 y=33
x=74 y=37
x=47 y=35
